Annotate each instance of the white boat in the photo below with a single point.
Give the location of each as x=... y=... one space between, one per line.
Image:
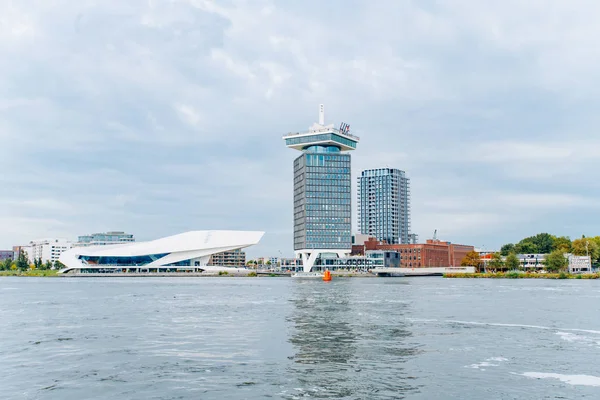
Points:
x=312 y=274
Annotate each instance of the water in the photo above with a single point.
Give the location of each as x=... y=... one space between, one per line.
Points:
x=256 y=338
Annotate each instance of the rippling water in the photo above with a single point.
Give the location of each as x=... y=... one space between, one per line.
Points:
x=255 y=338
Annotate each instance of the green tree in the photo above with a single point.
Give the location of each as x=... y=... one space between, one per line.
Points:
x=496 y=262
x=507 y=249
x=526 y=246
x=22 y=262
x=562 y=243
x=58 y=265
x=556 y=261
x=6 y=264
x=596 y=240
x=585 y=246
x=48 y=265
x=544 y=242
x=541 y=243
x=472 y=259
x=512 y=262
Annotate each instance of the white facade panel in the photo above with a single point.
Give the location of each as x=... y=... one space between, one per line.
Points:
x=193 y=248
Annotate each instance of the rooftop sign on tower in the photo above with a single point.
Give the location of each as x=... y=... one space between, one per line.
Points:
x=320 y=134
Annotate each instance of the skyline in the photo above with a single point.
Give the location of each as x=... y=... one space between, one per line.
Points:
x=159 y=118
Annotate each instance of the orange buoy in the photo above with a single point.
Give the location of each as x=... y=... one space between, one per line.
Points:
x=327 y=276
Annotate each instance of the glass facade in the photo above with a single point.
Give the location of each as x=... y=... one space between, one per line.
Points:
x=322 y=203
x=324 y=137
x=122 y=260
x=384 y=205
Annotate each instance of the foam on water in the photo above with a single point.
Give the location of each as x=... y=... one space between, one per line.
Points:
x=487 y=363
x=579 y=380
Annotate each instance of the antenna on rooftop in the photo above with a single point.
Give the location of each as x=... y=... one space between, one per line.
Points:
x=321 y=114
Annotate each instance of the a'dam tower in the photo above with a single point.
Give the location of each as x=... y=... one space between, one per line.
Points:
x=322 y=188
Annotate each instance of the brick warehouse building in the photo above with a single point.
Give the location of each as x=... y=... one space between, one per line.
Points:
x=433 y=253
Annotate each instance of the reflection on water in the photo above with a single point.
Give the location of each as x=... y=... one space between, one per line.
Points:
x=343 y=348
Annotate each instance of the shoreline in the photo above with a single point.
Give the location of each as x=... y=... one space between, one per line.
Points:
x=251 y=274
x=522 y=275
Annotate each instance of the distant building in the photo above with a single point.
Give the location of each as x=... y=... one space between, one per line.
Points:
x=274 y=261
x=485 y=256
x=103 y=239
x=579 y=264
x=186 y=252
x=371 y=259
x=18 y=249
x=384 y=205
x=359 y=239
x=292 y=264
x=433 y=253
x=231 y=258
x=47 y=249
x=413 y=238
x=531 y=262
x=7 y=254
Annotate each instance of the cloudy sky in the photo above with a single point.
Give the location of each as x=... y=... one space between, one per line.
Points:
x=160 y=116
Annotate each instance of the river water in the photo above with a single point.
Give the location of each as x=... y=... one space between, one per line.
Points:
x=256 y=338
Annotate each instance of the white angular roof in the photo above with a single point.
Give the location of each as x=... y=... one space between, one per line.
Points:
x=194 y=240
x=179 y=247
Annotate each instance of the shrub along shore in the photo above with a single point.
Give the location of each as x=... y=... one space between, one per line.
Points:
x=523 y=275
x=30 y=272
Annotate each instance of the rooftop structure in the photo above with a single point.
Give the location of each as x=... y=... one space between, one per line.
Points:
x=104 y=238
x=322 y=187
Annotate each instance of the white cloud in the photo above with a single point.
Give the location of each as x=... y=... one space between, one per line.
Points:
x=167 y=115
x=189 y=114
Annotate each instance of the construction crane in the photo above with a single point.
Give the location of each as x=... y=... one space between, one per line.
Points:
x=435 y=235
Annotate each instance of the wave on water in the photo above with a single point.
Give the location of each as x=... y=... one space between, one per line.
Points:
x=550 y=328
x=577 y=380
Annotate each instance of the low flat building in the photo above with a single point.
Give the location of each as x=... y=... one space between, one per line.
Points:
x=370 y=260
x=186 y=252
x=532 y=262
x=6 y=255
x=231 y=258
x=433 y=253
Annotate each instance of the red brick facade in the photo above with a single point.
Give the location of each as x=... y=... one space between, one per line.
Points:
x=433 y=253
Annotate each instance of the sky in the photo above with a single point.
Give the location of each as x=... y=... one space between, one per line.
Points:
x=158 y=117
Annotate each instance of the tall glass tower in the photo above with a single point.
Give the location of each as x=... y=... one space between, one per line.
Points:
x=322 y=183
x=384 y=205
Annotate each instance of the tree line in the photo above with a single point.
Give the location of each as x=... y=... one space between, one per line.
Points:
x=554 y=247
x=21 y=263
x=545 y=243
